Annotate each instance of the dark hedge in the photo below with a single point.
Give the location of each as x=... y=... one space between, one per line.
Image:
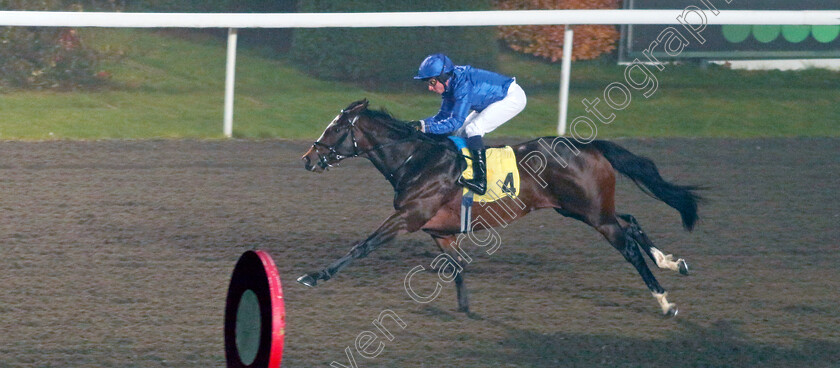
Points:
x=46 y=57
x=389 y=56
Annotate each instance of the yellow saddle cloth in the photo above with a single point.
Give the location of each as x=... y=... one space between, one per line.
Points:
x=502 y=174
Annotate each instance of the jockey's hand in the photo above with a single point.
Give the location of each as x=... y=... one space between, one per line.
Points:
x=416 y=124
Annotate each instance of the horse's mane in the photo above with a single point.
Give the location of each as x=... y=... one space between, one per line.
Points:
x=384 y=117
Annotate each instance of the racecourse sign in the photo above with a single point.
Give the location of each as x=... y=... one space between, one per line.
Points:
x=741 y=41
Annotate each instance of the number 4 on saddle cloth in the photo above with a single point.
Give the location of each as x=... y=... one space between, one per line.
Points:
x=502 y=178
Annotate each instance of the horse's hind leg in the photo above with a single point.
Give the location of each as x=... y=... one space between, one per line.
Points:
x=449 y=245
x=590 y=197
x=662 y=260
x=623 y=241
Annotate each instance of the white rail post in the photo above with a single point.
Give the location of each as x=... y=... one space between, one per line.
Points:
x=568 y=40
x=230 y=71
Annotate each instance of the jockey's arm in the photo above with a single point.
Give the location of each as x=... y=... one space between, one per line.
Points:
x=452 y=115
x=445 y=111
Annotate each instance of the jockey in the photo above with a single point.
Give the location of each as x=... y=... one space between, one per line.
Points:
x=475 y=102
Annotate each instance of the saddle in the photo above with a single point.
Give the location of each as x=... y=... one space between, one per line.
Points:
x=502 y=178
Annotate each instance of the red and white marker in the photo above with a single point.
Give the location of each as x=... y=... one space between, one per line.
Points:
x=255 y=315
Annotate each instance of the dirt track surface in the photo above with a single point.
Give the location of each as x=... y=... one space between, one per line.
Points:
x=118 y=254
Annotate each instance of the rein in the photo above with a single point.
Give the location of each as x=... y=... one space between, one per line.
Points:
x=335 y=156
x=323 y=159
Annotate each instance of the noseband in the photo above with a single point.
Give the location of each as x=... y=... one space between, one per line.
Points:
x=332 y=154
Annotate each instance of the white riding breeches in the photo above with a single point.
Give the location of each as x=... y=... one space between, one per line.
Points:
x=498 y=113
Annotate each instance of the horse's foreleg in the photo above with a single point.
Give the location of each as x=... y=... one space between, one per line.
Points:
x=624 y=242
x=399 y=223
x=665 y=261
x=449 y=245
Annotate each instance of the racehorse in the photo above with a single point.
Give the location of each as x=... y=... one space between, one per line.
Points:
x=575 y=179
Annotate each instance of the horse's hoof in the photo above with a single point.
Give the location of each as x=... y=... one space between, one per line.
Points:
x=683 y=267
x=672 y=312
x=307 y=280
x=474 y=316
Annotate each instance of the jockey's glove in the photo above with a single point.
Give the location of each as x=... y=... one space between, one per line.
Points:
x=417 y=124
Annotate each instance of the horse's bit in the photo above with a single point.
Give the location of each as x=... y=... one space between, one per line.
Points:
x=333 y=155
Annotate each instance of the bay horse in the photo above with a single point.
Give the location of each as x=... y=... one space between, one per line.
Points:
x=575 y=179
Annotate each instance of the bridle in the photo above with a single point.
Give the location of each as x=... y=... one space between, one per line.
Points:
x=332 y=154
x=335 y=156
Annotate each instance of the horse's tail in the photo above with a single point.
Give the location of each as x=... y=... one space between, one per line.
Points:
x=644 y=173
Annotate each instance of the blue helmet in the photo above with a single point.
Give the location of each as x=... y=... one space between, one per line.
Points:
x=434 y=65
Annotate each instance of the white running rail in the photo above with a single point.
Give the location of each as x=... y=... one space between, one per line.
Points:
x=691 y=15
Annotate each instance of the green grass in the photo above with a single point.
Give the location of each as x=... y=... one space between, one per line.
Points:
x=172 y=87
x=690 y=101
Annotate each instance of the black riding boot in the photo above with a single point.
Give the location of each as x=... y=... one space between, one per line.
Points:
x=478 y=183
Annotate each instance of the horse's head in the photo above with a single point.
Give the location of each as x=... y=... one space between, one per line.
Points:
x=341 y=139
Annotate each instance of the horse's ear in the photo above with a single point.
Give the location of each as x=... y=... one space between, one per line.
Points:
x=363 y=104
x=357 y=106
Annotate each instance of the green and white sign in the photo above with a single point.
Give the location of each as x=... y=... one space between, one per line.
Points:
x=788 y=33
x=731 y=41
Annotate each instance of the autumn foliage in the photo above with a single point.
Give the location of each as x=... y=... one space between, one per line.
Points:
x=590 y=42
